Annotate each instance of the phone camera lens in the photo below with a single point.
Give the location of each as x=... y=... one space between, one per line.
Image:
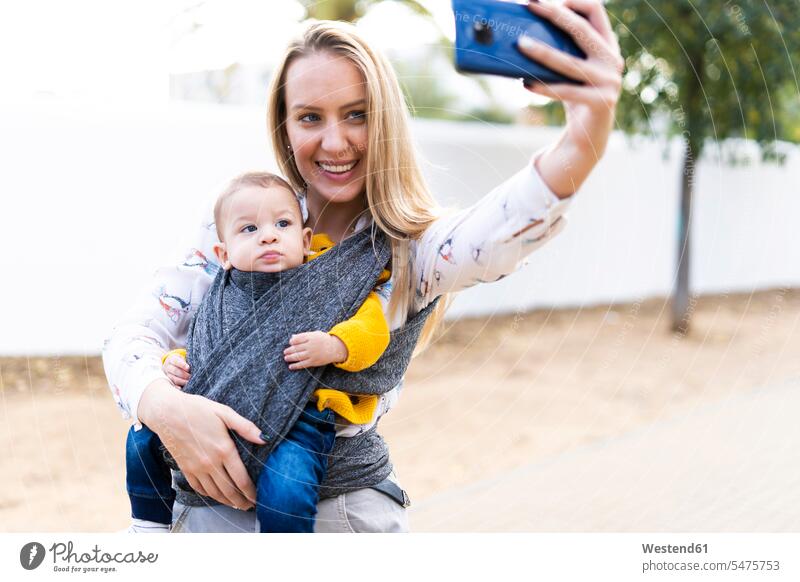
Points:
x=483 y=33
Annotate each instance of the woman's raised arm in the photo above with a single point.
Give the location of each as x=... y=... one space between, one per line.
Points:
x=589 y=107
x=488 y=241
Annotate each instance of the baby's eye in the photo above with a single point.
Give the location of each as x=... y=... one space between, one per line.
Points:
x=249 y=228
x=283 y=223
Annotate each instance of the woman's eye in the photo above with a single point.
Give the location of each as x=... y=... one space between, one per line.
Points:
x=358 y=115
x=310 y=117
x=283 y=223
x=249 y=228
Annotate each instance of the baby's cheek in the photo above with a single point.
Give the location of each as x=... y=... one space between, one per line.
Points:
x=242 y=258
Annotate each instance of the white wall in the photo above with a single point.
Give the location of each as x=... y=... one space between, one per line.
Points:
x=92 y=201
x=621 y=241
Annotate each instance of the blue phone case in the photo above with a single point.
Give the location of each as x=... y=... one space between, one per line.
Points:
x=486 y=40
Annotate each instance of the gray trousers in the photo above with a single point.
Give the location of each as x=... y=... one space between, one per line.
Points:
x=361 y=511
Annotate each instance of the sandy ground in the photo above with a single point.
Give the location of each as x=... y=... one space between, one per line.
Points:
x=726 y=466
x=488 y=396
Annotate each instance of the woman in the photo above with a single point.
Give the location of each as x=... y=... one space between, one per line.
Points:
x=339 y=129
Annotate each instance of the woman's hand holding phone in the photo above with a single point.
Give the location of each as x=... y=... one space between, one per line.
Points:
x=589 y=107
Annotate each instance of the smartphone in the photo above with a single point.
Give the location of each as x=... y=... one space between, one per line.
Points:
x=486 y=40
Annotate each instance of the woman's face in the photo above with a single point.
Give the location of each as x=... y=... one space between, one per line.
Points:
x=326 y=108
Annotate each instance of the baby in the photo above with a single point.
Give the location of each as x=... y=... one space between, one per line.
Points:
x=260 y=229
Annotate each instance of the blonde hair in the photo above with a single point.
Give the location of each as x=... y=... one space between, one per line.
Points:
x=258 y=179
x=397 y=195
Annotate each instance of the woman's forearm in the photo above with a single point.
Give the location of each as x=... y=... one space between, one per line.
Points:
x=590 y=104
x=154 y=403
x=566 y=165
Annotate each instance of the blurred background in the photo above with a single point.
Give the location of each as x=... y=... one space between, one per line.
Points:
x=671 y=295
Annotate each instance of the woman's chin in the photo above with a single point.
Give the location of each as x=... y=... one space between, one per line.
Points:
x=341 y=195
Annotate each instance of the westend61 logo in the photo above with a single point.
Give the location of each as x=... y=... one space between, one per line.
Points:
x=66 y=559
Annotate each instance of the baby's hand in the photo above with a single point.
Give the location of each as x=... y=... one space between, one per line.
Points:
x=176 y=369
x=314 y=348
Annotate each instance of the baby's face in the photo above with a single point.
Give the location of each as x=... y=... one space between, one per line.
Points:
x=263 y=231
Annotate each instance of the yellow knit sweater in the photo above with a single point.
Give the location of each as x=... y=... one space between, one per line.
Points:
x=365 y=335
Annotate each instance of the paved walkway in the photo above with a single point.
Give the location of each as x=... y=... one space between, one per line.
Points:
x=733 y=466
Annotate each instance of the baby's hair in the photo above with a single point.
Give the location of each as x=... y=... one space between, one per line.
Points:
x=258 y=179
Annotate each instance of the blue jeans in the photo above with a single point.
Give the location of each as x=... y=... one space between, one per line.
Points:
x=287 y=489
x=148 y=477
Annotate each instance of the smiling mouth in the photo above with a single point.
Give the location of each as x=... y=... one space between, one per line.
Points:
x=337 y=168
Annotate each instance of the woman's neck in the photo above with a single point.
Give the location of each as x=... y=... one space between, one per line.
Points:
x=336 y=219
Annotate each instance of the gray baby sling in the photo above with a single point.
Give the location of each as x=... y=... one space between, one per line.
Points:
x=235 y=350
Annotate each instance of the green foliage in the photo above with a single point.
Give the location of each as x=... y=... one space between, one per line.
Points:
x=347 y=10
x=493 y=113
x=553 y=113
x=425 y=95
x=429 y=98
x=350 y=10
x=710 y=70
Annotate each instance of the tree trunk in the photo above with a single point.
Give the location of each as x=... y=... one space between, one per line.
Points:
x=682 y=304
x=682 y=301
